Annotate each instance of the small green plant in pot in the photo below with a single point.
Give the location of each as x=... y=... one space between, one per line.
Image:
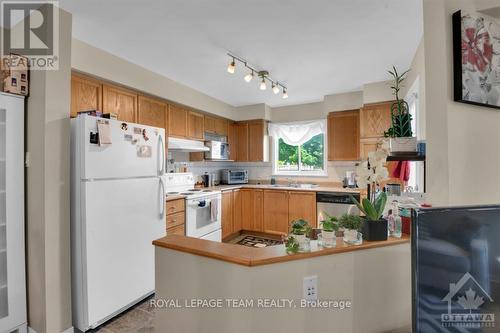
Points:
x=299 y=231
x=352 y=225
x=329 y=228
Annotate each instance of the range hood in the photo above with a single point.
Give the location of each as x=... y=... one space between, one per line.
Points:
x=186 y=145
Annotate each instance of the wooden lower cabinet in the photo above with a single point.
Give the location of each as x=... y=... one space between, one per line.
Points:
x=252 y=209
x=237 y=206
x=175 y=219
x=227 y=214
x=276 y=211
x=302 y=205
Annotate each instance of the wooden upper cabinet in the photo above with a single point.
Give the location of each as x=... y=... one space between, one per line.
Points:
x=209 y=124
x=227 y=214
x=343 y=136
x=367 y=146
x=86 y=94
x=120 y=101
x=302 y=205
x=275 y=211
x=221 y=126
x=375 y=119
x=152 y=112
x=256 y=131
x=177 y=121
x=195 y=126
x=216 y=125
x=241 y=142
x=231 y=140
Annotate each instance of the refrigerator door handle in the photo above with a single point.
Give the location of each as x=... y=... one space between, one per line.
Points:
x=163 y=198
x=161 y=163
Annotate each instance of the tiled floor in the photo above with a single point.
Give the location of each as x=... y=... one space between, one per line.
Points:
x=138 y=319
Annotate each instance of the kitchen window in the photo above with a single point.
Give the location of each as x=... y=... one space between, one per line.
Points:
x=299 y=148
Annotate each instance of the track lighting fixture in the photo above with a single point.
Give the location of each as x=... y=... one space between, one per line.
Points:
x=231 y=66
x=275 y=88
x=263 y=75
x=263 y=84
x=249 y=76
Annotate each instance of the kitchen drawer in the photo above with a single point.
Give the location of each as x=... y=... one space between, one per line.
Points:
x=175 y=206
x=177 y=230
x=175 y=219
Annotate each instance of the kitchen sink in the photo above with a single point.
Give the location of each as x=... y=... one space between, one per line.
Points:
x=296 y=185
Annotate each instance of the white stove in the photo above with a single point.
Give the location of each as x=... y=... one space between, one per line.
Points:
x=203 y=206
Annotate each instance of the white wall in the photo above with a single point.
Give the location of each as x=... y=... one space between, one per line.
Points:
x=94 y=61
x=462 y=140
x=47 y=195
x=378 y=91
x=342 y=102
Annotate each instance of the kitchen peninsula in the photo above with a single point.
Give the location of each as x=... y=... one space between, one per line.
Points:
x=364 y=276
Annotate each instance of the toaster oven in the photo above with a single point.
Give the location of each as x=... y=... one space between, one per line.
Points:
x=239 y=176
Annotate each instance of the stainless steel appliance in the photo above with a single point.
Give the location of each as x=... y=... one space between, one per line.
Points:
x=335 y=204
x=203 y=206
x=235 y=176
x=218 y=150
x=393 y=189
x=350 y=179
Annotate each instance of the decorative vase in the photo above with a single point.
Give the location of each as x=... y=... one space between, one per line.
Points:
x=375 y=230
x=403 y=145
x=329 y=238
x=352 y=237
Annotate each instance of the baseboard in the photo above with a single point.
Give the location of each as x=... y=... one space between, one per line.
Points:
x=69 y=330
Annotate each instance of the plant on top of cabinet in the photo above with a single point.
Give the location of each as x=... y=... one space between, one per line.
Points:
x=400 y=132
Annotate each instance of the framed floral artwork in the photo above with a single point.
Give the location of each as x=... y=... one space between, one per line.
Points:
x=476 y=60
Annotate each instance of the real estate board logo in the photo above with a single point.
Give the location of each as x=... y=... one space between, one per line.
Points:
x=465 y=299
x=31 y=29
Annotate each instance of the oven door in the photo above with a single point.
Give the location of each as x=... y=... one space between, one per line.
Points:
x=237 y=177
x=203 y=216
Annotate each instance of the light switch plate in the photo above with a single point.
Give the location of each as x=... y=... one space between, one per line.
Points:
x=310 y=288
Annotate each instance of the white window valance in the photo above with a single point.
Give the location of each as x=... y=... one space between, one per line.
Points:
x=297 y=133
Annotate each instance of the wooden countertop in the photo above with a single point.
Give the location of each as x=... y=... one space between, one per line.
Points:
x=249 y=256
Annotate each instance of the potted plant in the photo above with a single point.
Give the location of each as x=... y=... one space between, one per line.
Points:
x=370 y=173
x=400 y=134
x=329 y=228
x=291 y=245
x=352 y=225
x=299 y=230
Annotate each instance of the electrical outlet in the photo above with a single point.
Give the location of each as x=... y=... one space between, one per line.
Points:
x=310 y=288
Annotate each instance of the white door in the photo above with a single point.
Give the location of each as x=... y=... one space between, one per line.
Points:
x=135 y=150
x=123 y=217
x=12 y=271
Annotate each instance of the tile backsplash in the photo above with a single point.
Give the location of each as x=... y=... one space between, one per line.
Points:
x=259 y=171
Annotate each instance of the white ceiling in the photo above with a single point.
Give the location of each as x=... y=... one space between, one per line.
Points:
x=316 y=48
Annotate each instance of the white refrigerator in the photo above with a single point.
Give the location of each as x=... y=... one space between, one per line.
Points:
x=117 y=210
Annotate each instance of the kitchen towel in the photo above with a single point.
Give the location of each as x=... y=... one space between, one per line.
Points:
x=104 y=131
x=214 y=209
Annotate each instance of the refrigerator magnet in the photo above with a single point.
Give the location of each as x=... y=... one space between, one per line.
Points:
x=134 y=141
x=144 y=151
x=124 y=126
x=145 y=135
x=137 y=130
x=128 y=137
